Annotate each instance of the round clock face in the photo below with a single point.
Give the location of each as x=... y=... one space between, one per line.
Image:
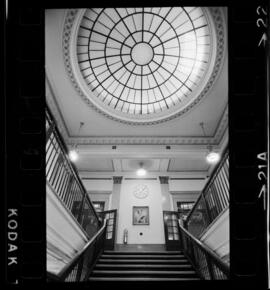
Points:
x=141 y=191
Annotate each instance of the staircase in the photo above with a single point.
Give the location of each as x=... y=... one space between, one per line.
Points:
x=143 y=266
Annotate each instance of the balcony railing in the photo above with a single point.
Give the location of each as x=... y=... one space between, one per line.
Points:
x=65 y=182
x=213 y=200
x=207 y=264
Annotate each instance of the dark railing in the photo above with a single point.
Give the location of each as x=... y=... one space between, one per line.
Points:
x=63 y=178
x=208 y=265
x=80 y=267
x=213 y=200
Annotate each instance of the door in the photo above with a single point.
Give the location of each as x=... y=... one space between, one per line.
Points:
x=171 y=229
x=110 y=216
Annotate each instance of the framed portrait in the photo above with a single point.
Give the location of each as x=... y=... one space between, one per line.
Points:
x=140 y=215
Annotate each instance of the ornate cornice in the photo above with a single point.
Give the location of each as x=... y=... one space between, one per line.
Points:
x=219 y=23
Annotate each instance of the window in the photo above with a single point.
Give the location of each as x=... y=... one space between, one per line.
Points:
x=99 y=205
x=184 y=208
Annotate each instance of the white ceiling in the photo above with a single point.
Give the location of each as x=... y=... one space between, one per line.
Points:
x=188 y=144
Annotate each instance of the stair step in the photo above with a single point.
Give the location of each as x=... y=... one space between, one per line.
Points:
x=142 y=273
x=143 y=252
x=115 y=256
x=143 y=279
x=141 y=266
x=139 y=261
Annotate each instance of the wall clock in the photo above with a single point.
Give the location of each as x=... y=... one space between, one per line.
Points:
x=141 y=191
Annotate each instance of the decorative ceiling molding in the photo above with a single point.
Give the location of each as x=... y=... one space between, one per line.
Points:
x=157 y=140
x=51 y=100
x=219 y=22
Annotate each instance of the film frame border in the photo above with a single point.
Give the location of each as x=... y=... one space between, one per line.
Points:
x=27 y=134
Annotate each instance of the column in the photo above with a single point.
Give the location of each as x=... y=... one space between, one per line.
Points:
x=117 y=181
x=165 y=193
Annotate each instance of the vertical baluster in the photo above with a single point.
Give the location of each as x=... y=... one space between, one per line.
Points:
x=69 y=188
x=64 y=184
x=59 y=176
x=226 y=183
x=210 y=267
x=51 y=163
x=216 y=202
x=222 y=191
x=208 y=214
x=217 y=193
x=80 y=217
x=71 y=194
x=223 y=195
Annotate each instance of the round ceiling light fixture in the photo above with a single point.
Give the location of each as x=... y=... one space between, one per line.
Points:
x=141 y=171
x=212 y=157
x=144 y=65
x=73 y=155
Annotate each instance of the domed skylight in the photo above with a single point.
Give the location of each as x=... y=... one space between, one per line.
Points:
x=143 y=63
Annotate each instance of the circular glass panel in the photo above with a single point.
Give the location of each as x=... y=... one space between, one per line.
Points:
x=143 y=61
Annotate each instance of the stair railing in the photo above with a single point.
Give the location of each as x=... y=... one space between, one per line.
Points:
x=213 y=200
x=63 y=179
x=81 y=266
x=208 y=265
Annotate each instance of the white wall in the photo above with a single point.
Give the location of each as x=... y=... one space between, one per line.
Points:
x=217 y=236
x=104 y=185
x=152 y=233
x=64 y=236
x=186 y=185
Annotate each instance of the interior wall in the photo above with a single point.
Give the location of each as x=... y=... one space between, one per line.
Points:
x=152 y=233
x=186 y=185
x=99 y=184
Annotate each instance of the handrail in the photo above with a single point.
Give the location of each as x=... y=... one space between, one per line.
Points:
x=208 y=183
x=64 y=148
x=212 y=201
x=87 y=245
x=222 y=265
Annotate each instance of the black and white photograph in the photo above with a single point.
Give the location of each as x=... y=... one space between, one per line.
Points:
x=136 y=144
x=137 y=121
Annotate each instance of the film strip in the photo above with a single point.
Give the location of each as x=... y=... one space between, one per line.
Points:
x=25 y=184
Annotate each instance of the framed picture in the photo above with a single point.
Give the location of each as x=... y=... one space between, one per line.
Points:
x=140 y=215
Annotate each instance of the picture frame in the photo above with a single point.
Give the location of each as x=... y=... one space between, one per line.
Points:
x=140 y=215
